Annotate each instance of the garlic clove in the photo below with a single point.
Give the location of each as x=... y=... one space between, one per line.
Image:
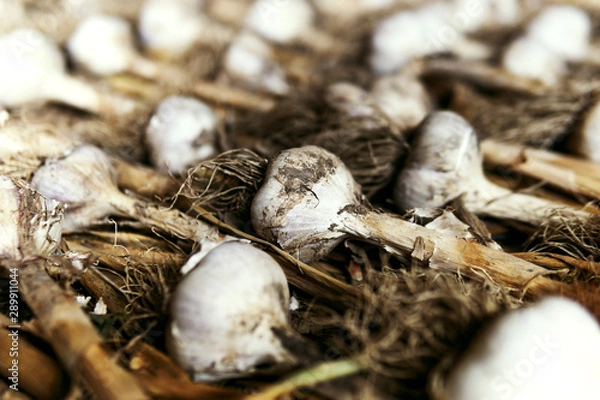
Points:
x=550 y=350
x=280 y=22
x=30 y=224
x=564 y=30
x=302 y=189
x=249 y=59
x=103 y=45
x=585 y=141
x=181 y=133
x=224 y=311
x=84 y=179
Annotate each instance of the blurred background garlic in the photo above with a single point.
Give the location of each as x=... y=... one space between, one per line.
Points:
x=32 y=69
x=181 y=133
x=224 y=314
x=170 y=28
x=549 y=350
x=104 y=45
x=30 y=224
x=250 y=60
x=12 y=15
x=585 y=139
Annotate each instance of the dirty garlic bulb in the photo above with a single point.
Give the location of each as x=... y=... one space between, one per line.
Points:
x=224 y=312
x=309 y=203
x=29 y=223
x=549 y=350
x=84 y=179
x=445 y=162
x=32 y=69
x=181 y=133
x=250 y=60
x=169 y=28
x=103 y=45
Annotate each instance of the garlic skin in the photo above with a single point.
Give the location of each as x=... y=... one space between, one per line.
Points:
x=282 y=21
x=445 y=162
x=30 y=224
x=103 y=45
x=528 y=58
x=300 y=193
x=79 y=180
x=565 y=30
x=181 y=133
x=224 y=311
x=32 y=69
x=550 y=350
x=249 y=59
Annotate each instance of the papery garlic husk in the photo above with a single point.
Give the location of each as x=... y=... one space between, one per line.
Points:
x=79 y=179
x=550 y=350
x=182 y=132
x=224 y=311
x=30 y=224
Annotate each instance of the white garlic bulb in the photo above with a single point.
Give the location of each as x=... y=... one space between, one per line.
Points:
x=29 y=223
x=445 y=162
x=181 y=133
x=103 y=45
x=249 y=59
x=224 y=312
x=585 y=141
x=32 y=69
x=565 y=30
x=550 y=350
x=528 y=58
x=169 y=27
x=280 y=21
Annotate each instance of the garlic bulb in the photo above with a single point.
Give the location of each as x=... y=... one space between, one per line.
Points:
x=530 y=59
x=565 y=30
x=32 y=69
x=103 y=45
x=445 y=163
x=224 y=311
x=182 y=132
x=249 y=59
x=309 y=203
x=550 y=350
x=29 y=223
x=169 y=28
x=281 y=22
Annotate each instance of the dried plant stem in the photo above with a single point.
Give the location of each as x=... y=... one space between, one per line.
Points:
x=448 y=253
x=162 y=378
x=7 y=393
x=571 y=174
x=558 y=261
x=144 y=180
x=323 y=372
x=74 y=338
x=228 y=96
x=482 y=75
x=39 y=374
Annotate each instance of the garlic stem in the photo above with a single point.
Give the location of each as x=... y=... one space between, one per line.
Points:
x=309 y=203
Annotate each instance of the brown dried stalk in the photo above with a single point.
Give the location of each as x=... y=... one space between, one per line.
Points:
x=74 y=338
x=573 y=175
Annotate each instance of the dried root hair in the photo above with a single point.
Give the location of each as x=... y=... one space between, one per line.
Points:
x=536 y=121
x=563 y=233
x=409 y=324
x=226 y=183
